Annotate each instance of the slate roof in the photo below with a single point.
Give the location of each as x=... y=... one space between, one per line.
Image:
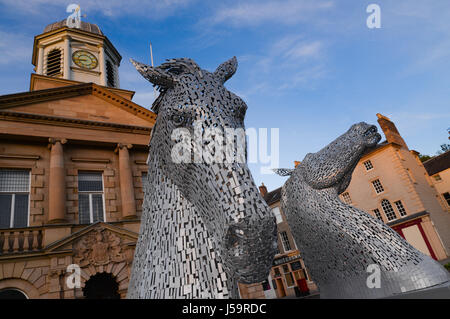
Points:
x=438 y=163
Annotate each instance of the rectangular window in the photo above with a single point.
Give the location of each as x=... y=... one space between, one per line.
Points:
x=14 y=198
x=377 y=213
x=90 y=197
x=277 y=214
x=296 y=265
x=289 y=279
x=276 y=272
x=265 y=285
x=285 y=241
x=346 y=198
x=388 y=210
x=368 y=165
x=447 y=198
x=400 y=208
x=377 y=186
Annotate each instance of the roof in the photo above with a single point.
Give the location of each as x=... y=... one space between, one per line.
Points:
x=85 y=26
x=375 y=148
x=438 y=163
x=273 y=196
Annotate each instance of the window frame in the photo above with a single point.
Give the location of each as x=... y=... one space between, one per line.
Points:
x=283 y=242
x=13 y=198
x=374 y=187
x=399 y=210
x=346 y=198
x=290 y=273
x=446 y=199
x=384 y=211
x=378 y=216
x=369 y=162
x=90 y=193
x=277 y=215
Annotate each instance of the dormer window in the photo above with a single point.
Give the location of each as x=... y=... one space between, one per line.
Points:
x=54 y=62
x=110 y=74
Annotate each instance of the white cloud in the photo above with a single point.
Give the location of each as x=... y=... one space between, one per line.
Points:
x=290 y=62
x=257 y=12
x=304 y=49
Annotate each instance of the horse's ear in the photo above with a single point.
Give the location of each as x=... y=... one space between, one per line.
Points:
x=226 y=70
x=156 y=75
x=283 y=171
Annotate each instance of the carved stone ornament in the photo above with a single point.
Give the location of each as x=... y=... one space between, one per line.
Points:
x=99 y=247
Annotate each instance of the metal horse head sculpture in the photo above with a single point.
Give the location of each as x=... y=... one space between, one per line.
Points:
x=342 y=245
x=204 y=225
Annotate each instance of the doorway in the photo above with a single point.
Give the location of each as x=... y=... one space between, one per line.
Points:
x=11 y=293
x=280 y=288
x=101 y=286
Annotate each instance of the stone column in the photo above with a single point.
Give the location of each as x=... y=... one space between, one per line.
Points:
x=57 y=182
x=40 y=63
x=126 y=182
x=101 y=63
x=67 y=58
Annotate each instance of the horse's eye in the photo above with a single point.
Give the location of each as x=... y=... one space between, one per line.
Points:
x=178 y=119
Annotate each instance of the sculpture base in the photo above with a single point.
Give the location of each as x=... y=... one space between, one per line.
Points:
x=441 y=291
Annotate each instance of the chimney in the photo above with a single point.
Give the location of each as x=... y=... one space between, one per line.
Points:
x=263 y=189
x=390 y=130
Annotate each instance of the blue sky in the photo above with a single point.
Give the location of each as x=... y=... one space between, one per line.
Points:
x=308 y=67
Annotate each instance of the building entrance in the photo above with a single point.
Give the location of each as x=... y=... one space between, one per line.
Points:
x=101 y=286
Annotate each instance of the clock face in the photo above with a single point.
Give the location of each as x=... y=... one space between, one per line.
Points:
x=84 y=59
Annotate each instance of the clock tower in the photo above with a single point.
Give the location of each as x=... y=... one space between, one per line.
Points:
x=79 y=53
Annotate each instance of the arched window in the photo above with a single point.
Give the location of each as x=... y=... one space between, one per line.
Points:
x=54 y=62
x=388 y=210
x=110 y=73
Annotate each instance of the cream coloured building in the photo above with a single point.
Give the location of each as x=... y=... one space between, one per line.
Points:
x=391 y=183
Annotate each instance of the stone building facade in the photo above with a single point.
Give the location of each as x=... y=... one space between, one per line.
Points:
x=73 y=151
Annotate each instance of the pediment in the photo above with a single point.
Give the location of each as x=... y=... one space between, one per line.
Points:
x=86 y=101
x=97 y=244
